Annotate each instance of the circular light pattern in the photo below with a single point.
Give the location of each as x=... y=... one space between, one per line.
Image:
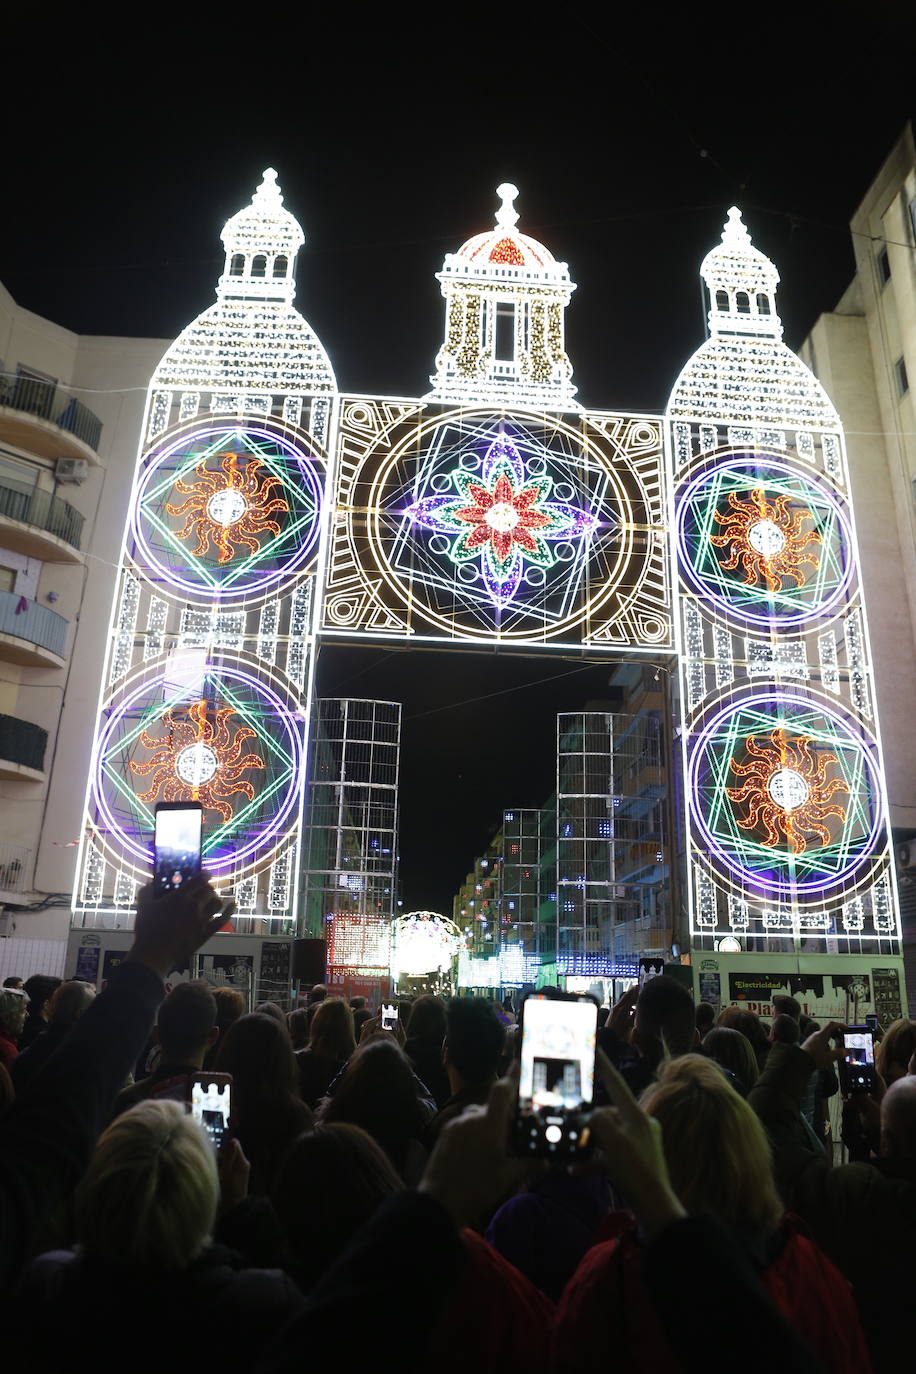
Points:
x=196 y=764
x=784 y=795
x=227 y=512
x=763 y=541
x=422 y=942
x=227 y=740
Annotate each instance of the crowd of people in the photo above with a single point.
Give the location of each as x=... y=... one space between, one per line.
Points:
x=366 y=1204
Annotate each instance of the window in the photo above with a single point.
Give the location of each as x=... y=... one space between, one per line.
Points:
x=504 y=333
x=280 y=265
x=884 y=267
x=903 y=382
x=237 y=265
x=7 y=579
x=743 y=303
x=259 y=266
x=721 y=300
x=763 y=305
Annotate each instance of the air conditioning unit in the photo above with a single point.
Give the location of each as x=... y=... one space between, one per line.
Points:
x=71 y=470
x=906 y=855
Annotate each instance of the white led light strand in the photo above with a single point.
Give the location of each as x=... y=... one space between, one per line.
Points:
x=125 y=627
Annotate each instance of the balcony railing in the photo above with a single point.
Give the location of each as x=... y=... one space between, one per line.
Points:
x=28 y=620
x=15 y=864
x=35 y=507
x=49 y=401
x=23 y=743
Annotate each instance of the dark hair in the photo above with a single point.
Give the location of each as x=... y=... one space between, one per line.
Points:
x=186 y=1018
x=332 y=1181
x=70 y=1001
x=277 y=1012
x=748 y=1023
x=360 y=1018
x=427 y=1017
x=706 y=1015
x=331 y=1030
x=297 y=1023
x=40 y=988
x=786 y=1006
x=357 y=1003
x=12 y=981
x=230 y=1005
x=784 y=1030
x=734 y=1052
x=665 y=1013
x=378 y=1092
x=317 y=994
x=474 y=1038
x=258 y=1054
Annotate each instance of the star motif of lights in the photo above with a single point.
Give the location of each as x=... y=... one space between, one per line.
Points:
x=504 y=517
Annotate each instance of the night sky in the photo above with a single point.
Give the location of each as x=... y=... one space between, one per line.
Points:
x=628 y=140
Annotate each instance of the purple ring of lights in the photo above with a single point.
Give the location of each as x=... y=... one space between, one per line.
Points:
x=263 y=838
x=256 y=586
x=716 y=849
x=733 y=608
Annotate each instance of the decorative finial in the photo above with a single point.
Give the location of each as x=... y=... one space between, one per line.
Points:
x=268 y=193
x=735 y=231
x=507 y=215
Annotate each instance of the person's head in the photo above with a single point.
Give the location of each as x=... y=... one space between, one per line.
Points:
x=784 y=1030
x=69 y=1003
x=333 y=1179
x=12 y=981
x=898 y=1120
x=603 y=1014
x=230 y=1005
x=749 y=1025
x=274 y=1010
x=186 y=1024
x=332 y=1029
x=786 y=1006
x=317 y=994
x=717 y=1153
x=893 y=1054
x=40 y=989
x=258 y=1053
x=359 y=1020
x=474 y=1037
x=357 y=1003
x=297 y=1023
x=378 y=1093
x=13 y=1006
x=705 y=1018
x=148 y=1199
x=807 y=1026
x=665 y=1021
x=427 y=1018
x=733 y=1051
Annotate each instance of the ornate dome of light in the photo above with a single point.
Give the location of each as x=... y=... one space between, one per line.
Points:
x=502 y=253
x=261 y=243
x=742 y=284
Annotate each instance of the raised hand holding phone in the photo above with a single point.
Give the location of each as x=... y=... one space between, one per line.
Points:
x=177 y=839
x=556 y=1086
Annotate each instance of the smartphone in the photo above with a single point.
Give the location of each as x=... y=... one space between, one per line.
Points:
x=389 y=1016
x=211 y=1104
x=557 y=1079
x=871 y=1021
x=176 y=844
x=857 y=1067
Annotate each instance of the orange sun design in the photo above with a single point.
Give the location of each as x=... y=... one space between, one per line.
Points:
x=787 y=790
x=766 y=540
x=228 y=508
x=198 y=760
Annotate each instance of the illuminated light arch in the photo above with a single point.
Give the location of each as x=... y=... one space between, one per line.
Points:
x=228 y=511
x=764 y=542
x=423 y=942
x=234 y=741
x=802 y=758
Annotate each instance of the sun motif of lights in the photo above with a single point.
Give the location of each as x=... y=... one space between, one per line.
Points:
x=766 y=539
x=787 y=791
x=504 y=517
x=229 y=508
x=199 y=759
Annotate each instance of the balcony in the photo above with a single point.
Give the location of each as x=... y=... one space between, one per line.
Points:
x=30 y=634
x=22 y=755
x=39 y=525
x=38 y=415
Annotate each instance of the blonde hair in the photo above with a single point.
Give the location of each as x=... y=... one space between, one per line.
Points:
x=896 y=1049
x=717 y=1153
x=149 y=1197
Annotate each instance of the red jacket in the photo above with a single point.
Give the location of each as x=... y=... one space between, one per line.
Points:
x=9 y=1050
x=604 y=1318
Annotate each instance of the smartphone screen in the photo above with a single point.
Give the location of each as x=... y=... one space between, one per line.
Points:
x=871 y=1022
x=556 y=1084
x=857 y=1067
x=176 y=844
x=389 y=1016
x=211 y=1103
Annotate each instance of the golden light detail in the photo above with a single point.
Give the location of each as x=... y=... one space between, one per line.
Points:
x=199 y=759
x=228 y=508
x=766 y=540
x=787 y=791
